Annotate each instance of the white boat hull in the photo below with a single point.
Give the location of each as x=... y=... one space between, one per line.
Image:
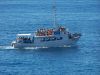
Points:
x=37 y=43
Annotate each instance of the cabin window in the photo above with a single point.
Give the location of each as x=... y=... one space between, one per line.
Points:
x=51 y=39
x=24 y=40
x=60 y=38
x=27 y=40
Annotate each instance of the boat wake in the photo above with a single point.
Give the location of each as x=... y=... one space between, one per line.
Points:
x=6 y=47
x=34 y=47
x=29 y=48
x=10 y=47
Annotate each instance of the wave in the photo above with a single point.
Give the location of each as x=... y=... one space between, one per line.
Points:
x=31 y=48
x=10 y=47
x=6 y=47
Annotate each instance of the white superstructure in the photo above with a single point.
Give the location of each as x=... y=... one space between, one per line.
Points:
x=58 y=37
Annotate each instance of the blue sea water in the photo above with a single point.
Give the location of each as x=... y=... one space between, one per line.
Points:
x=25 y=16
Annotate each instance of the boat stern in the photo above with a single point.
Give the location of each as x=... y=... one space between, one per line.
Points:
x=74 y=38
x=77 y=36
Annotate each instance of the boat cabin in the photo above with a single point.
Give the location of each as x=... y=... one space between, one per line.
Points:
x=24 y=38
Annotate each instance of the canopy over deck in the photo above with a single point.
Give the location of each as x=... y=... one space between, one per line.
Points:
x=24 y=35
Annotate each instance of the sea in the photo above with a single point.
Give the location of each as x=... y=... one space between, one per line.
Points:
x=26 y=16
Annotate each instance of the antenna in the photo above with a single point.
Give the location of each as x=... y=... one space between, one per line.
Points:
x=54 y=13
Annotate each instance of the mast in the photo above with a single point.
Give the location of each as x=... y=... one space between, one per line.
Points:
x=54 y=13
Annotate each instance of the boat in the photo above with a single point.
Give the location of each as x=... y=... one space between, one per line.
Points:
x=57 y=36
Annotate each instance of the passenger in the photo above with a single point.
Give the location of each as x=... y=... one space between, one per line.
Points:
x=50 y=32
x=43 y=32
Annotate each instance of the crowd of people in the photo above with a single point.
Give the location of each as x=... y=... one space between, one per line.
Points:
x=44 y=32
x=24 y=40
x=48 y=32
